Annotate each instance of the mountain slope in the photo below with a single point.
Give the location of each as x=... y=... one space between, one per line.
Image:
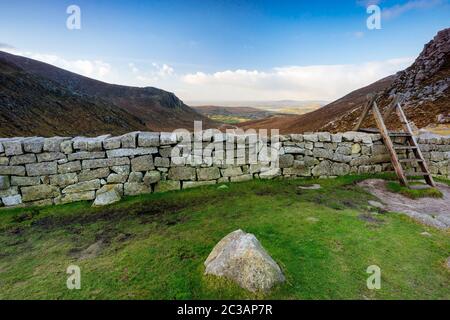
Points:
x=425 y=86
x=158 y=109
x=32 y=105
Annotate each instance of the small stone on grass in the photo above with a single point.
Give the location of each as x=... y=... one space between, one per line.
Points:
x=310 y=187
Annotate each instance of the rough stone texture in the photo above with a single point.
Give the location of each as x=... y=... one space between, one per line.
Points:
x=9 y=192
x=33 y=144
x=50 y=156
x=232 y=172
x=84 y=155
x=64 y=180
x=148 y=139
x=182 y=173
x=12 y=147
x=87 y=175
x=168 y=185
x=22 y=159
x=4 y=182
x=162 y=162
x=152 y=177
x=112 y=143
x=167 y=138
x=136 y=177
x=41 y=169
x=74 y=197
x=143 y=163
x=241 y=258
x=128 y=140
x=12 y=170
x=117 y=178
x=117 y=153
x=24 y=181
x=39 y=192
x=11 y=201
x=430 y=211
x=286 y=160
x=270 y=174
x=73 y=166
x=53 y=144
x=83 y=186
x=206 y=174
x=135 y=188
x=108 y=194
x=4 y=161
x=145 y=160
x=101 y=163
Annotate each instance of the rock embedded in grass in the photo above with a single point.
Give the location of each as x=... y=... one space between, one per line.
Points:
x=310 y=187
x=240 y=257
x=106 y=198
x=376 y=204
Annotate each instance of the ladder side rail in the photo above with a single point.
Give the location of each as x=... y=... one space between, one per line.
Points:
x=370 y=100
x=390 y=146
x=412 y=140
x=391 y=107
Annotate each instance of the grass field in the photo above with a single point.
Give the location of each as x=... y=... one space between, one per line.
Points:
x=412 y=193
x=154 y=246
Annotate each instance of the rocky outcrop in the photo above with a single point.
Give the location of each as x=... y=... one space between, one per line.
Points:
x=43 y=171
x=240 y=257
x=428 y=79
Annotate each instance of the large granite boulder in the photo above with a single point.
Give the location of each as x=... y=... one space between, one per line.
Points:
x=240 y=257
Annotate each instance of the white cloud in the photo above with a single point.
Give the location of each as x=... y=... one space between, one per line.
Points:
x=399 y=9
x=316 y=82
x=133 y=68
x=320 y=82
x=96 y=69
x=164 y=70
x=366 y=3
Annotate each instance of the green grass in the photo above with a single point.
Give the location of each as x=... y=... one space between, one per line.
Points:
x=414 y=193
x=154 y=246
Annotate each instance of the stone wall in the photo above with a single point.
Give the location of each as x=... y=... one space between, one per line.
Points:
x=58 y=170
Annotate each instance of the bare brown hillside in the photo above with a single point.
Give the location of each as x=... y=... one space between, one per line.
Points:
x=32 y=105
x=157 y=109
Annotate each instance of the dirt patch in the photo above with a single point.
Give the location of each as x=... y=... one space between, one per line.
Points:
x=430 y=211
x=146 y=211
x=265 y=192
x=90 y=252
x=367 y=217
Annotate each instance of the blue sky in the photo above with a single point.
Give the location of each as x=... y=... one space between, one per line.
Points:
x=226 y=50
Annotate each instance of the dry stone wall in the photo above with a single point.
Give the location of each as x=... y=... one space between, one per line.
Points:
x=58 y=170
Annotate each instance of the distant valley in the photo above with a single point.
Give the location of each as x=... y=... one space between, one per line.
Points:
x=234 y=112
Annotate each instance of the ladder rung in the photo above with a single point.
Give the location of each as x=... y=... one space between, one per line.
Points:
x=369 y=130
x=415 y=174
x=411 y=160
x=399 y=134
x=391 y=133
x=412 y=174
x=404 y=147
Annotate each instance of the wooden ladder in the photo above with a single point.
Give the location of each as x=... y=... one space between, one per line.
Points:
x=386 y=135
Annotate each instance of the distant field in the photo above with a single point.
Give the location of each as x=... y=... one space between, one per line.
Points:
x=442 y=129
x=295 y=110
x=235 y=115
